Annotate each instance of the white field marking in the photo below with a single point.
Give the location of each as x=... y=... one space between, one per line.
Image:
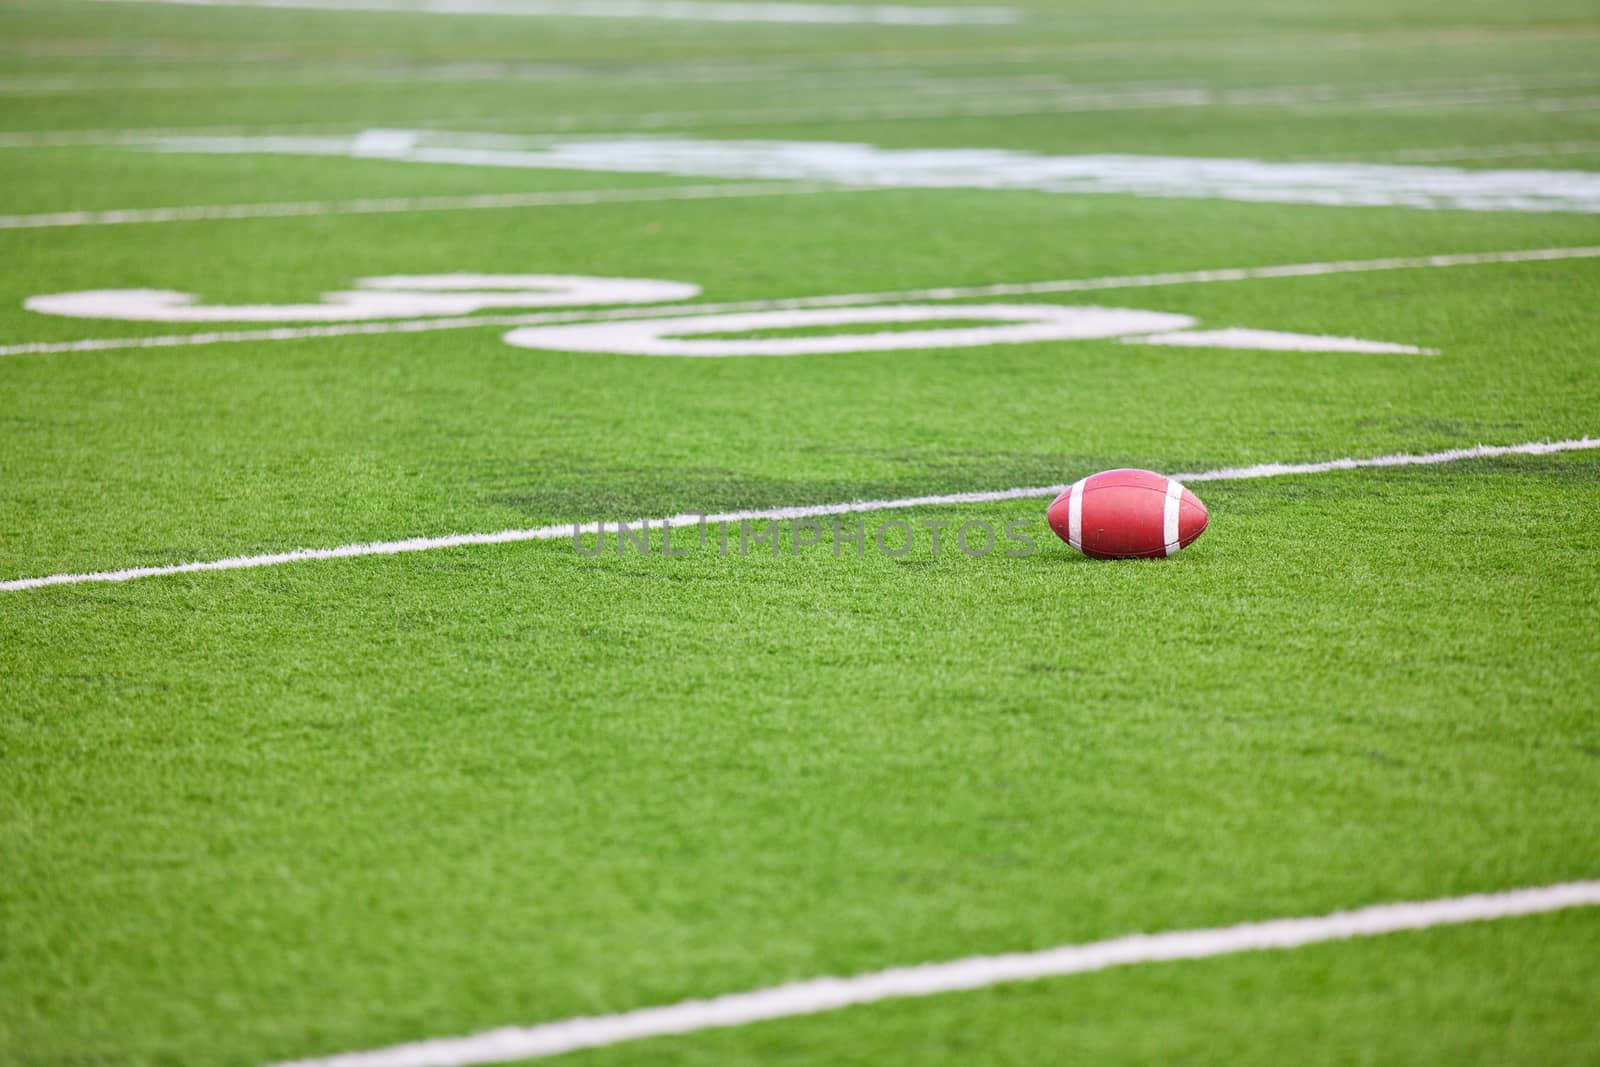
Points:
x=1052 y=90
x=1029 y=323
x=286 y=66
x=1275 y=341
x=145 y=135
x=1028 y=95
x=379 y=143
x=1328 y=183
x=830 y=72
x=1069 y=285
x=889 y=79
x=1075 y=99
x=1487 y=89
x=143 y=48
x=1276 y=43
x=1470 y=153
x=977 y=105
x=394 y=205
x=999 y=103
x=360 y=73
x=805 y=511
x=826 y=70
x=830 y=65
x=258 y=78
x=675 y=336
x=974 y=101
x=1454 y=98
x=1169 y=515
x=1572 y=103
x=685 y=10
x=953 y=976
x=389 y=297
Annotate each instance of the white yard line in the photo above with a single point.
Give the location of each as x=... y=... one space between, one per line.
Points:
x=974 y=972
x=677 y=10
x=889 y=80
x=357 y=73
x=109 y=138
x=1325 y=183
x=804 y=511
x=1575 y=103
x=821 y=69
x=389 y=205
x=953 y=100
x=1061 y=102
x=1069 y=285
x=1461 y=153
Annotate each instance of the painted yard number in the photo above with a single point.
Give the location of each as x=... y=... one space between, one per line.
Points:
x=424 y=295
x=399 y=296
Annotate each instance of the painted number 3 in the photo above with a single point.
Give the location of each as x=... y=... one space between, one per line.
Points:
x=703 y=336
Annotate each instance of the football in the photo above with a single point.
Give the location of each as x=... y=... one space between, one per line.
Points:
x=1127 y=514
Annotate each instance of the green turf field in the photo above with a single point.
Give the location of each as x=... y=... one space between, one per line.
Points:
x=316 y=806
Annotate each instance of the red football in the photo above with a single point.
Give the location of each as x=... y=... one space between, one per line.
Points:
x=1127 y=514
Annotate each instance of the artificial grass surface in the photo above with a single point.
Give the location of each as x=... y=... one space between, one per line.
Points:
x=365 y=438
x=1487 y=995
x=286 y=803
x=255 y=815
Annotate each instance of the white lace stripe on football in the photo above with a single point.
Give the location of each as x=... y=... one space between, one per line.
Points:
x=1075 y=515
x=1169 y=515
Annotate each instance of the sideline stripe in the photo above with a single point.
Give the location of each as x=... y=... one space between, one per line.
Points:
x=108 y=138
x=1069 y=285
x=809 y=511
x=975 y=972
x=386 y=205
x=782 y=11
